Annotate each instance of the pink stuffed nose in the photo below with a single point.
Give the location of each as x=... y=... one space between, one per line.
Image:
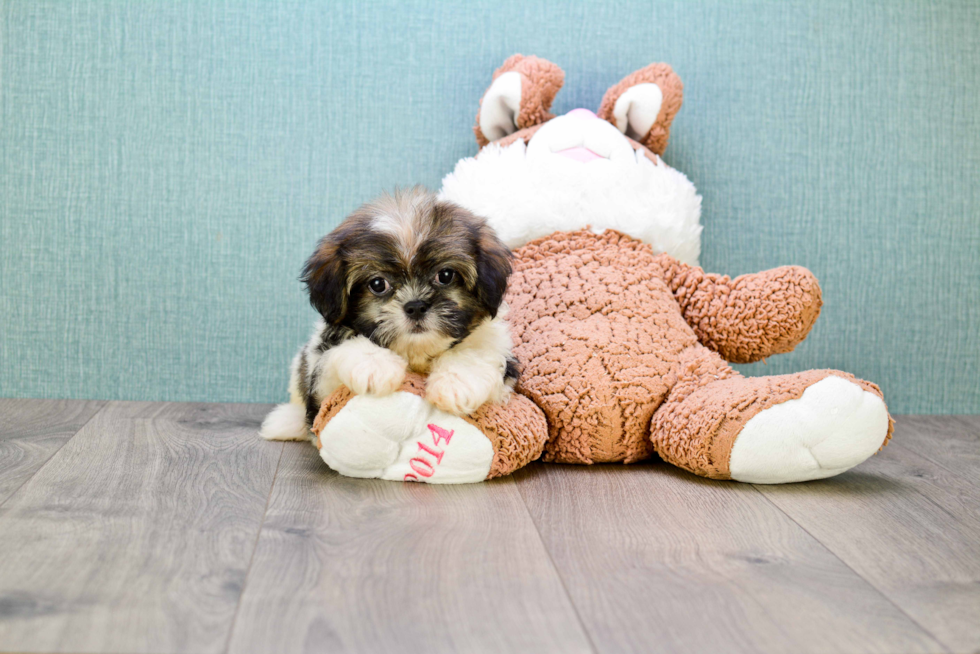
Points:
x=581 y=153
x=582 y=113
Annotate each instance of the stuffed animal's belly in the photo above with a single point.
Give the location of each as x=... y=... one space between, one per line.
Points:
x=599 y=336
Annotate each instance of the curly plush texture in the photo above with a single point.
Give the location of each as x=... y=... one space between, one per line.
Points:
x=750 y=317
x=673 y=96
x=540 y=82
x=613 y=342
x=516 y=430
x=599 y=336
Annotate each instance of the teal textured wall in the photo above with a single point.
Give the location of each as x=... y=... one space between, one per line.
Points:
x=167 y=166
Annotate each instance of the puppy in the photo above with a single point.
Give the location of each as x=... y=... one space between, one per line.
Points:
x=404 y=283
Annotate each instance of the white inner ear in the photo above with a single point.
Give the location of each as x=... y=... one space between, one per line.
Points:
x=501 y=106
x=637 y=109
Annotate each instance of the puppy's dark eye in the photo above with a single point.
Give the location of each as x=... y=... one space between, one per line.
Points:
x=445 y=276
x=379 y=285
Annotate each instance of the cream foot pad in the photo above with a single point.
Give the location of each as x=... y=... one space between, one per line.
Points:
x=833 y=427
x=401 y=437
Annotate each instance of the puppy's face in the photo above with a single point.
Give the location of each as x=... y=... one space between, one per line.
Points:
x=409 y=272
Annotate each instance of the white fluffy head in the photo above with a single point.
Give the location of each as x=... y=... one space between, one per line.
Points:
x=529 y=191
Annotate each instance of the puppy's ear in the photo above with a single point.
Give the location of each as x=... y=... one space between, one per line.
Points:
x=325 y=276
x=492 y=270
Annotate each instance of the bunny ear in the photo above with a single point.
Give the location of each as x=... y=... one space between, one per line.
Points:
x=643 y=105
x=520 y=96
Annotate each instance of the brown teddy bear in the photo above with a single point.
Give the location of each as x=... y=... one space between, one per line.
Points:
x=623 y=340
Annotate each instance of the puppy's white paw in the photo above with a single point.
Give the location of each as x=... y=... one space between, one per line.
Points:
x=458 y=393
x=287 y=422
x=375 y=372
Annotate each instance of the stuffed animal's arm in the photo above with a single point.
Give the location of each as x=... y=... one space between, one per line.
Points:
x=750 y=317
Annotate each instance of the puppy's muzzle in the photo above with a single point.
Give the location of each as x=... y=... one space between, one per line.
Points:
x=416 y=309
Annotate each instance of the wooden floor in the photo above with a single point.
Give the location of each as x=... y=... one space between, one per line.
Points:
x=148 y=527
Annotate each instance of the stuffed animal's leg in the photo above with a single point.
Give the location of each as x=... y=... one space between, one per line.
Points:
x=400 y=436
x=786 y=428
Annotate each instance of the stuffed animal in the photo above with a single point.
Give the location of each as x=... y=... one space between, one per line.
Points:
x=624 y=342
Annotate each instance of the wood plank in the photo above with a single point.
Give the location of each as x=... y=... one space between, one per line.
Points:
x=656 y=558
x=373 y=566
x=908 y=526
x=136 y=536
x=31 y=431
x=950 y=441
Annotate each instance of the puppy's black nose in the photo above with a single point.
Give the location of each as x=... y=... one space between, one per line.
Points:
x=416 y=309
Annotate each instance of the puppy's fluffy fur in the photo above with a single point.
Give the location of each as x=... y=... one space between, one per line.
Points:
x=407 y=282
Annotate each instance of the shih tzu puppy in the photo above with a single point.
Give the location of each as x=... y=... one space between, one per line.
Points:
x=406 y=282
